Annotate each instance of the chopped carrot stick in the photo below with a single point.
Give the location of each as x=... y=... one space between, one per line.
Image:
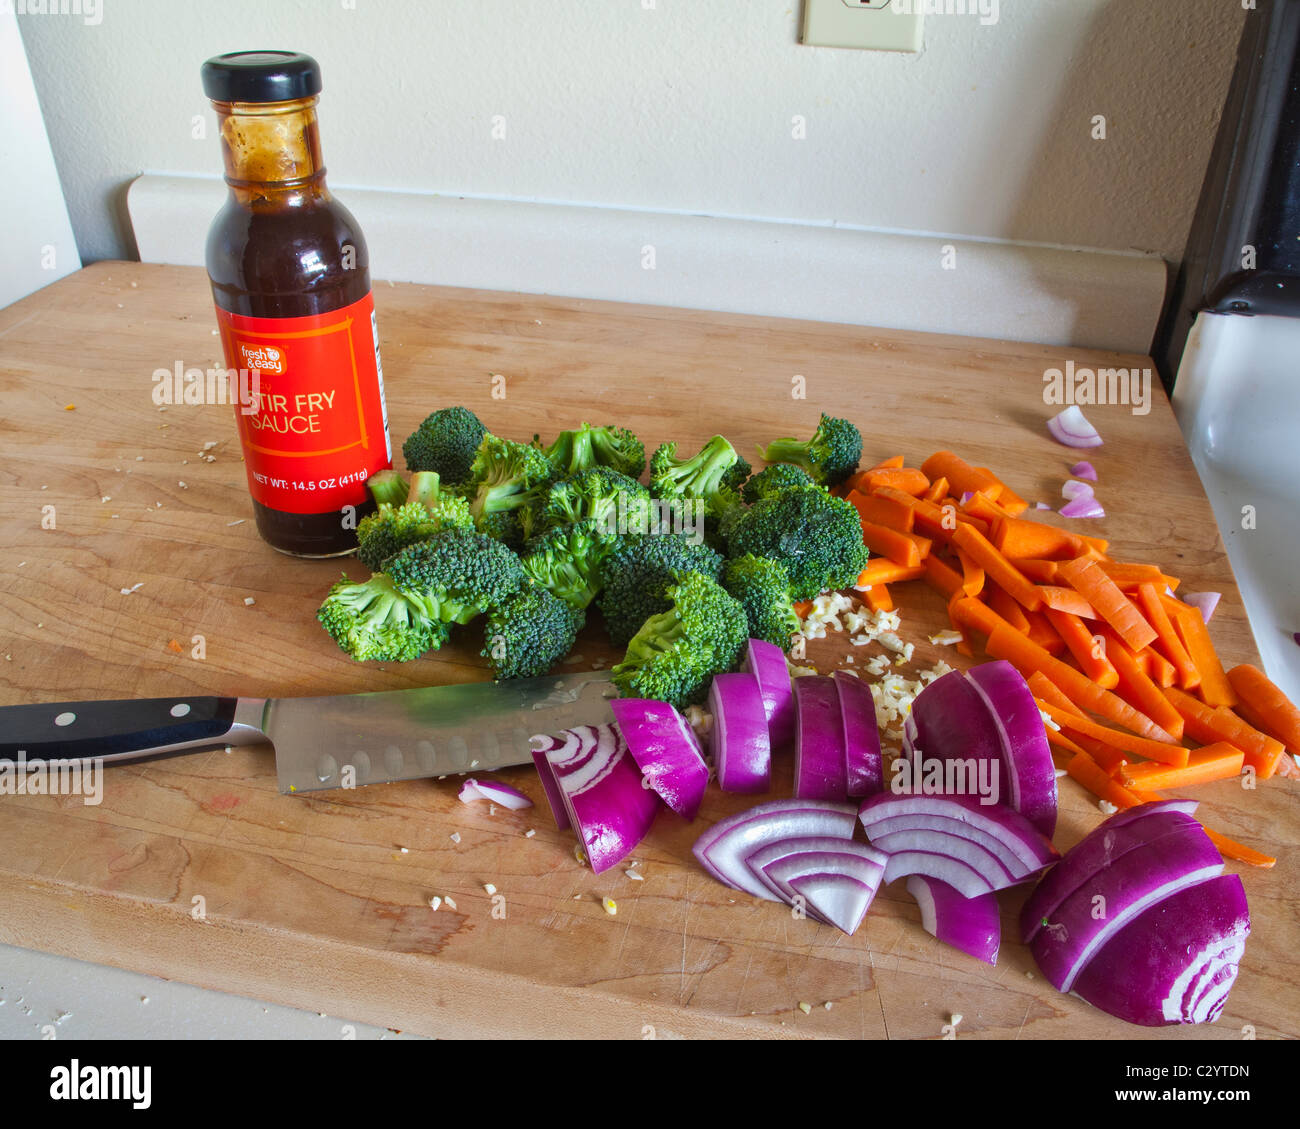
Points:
x=1214 y=762
x=907 y=479
x=1066 y=600
x=963 y=477
x=1020 y=538
x=1174 y=755
x=1130 y=577
x=1096 y=545
x=803 y=608
x=1044 y=634
x=1047 y=691
x=1007 y=608
x=1006 y=642
x=938 y=490
x=972 y=576
x=1139 y=691
x=970 y=613
x=1061 y=741
x=894 y=462
x=878 y=598
x=1107 y=756
x=1230 y=849
x=1211 y=724
x=942 y=576
x=1167 y=641
x=1089 y=650
x=1263 y=704
x=1000 y=570
x=982 y=507
x=1215 y=689
x=1100 y=783
x=1013 y=503
x=881 y=571
x=1086 y=578
x=888 y=512
x=1158 y=668
x=1039 y=571
x=898 y=547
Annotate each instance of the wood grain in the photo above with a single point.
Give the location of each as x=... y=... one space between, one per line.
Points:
x=311 y=901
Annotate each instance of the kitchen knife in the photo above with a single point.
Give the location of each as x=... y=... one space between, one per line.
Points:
x=334 y=742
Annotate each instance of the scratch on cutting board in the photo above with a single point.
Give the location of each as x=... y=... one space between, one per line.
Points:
x=879 y=999
x=1026 y=1018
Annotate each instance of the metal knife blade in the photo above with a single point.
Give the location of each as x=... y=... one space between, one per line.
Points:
x=341 y=741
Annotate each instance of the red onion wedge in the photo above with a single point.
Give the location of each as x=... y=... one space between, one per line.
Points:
x=1030 y=773
x=766 y=662
x=1204 y=602
x=1072 y=490
x=542 y=744
x=495 y=792
x=820 y=762
x=1085 y=471
x=901 y=825
x=864 y=764
x=602 y=792
x=841 y=900
x=1117 y=836
x=950 y=721
x=1085 y=506
x=1176 y=961
x=1094 y=913
x=778 y=864
x=666 y=751
x=724 y=847
x=742 y=750
x=1072 y=429
x=969 y=924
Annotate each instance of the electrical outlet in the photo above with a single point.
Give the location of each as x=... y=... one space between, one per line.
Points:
x=877 y=25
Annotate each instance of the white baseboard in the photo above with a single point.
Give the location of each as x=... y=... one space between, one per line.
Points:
x=1007 y=291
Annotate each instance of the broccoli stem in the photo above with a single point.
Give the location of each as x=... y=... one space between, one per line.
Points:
x=388 y=486
x=425 y=487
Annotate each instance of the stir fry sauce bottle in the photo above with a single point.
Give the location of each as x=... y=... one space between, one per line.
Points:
x=291 y=282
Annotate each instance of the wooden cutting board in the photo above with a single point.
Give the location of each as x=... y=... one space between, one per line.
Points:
x=322 y=901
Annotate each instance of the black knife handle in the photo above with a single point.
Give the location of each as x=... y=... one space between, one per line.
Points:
x=114 y=730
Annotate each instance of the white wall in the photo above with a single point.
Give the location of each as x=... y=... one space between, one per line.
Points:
x=683 y=107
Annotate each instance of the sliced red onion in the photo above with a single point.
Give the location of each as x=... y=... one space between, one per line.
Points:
x=840 y=899
x=1204 y=602
x=666 y=751
x=494 y=792
x=969 y=924
x=1072 y=429
x=1121 y=833
x=772 y=852
x=1085 y=506
x=742 y=750
x=1084 y=470
x=820 y=762
x=864 y=864
x=1094 y=913
x=954 y=854
x=864 y=763
x=1026 y=754
x=766 y=662
x=1176 y=961
x=1296 y=637
x=966 y=497
x=554 y=797
x=724 y=847
x=950 y=721
x=1072 y=490
x=603 y=795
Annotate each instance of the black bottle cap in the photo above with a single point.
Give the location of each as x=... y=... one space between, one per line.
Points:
x=261 y=76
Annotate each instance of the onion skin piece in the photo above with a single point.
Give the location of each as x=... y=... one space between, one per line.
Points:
x=864 y=762
x=665 y=750
x=1030 y=773
x=1126 y=888
x=1072 y=429
x=969 y=924
x=821 y=765
x=766 y=662
x=1116 y=836
x=1143 y=973
x=742 y=748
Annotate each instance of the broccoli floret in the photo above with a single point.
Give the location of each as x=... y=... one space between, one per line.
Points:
x=392 y=528
x=817 y=537
x=717 y=466
x=372 y=620
x=456 y=575
x=587 y=446
x=829 y=457
x=445 y=442
x=779 y=476
x=387 y=488
x=530 y=632
x=567 y=560
x=637 y=573
x=507 y=477
x=763 y=588
x=598 y=494
x=675 y=654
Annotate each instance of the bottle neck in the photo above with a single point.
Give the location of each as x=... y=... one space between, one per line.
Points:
x=271 y=150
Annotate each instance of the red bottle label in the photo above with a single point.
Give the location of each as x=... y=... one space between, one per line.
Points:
x=315 y=426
